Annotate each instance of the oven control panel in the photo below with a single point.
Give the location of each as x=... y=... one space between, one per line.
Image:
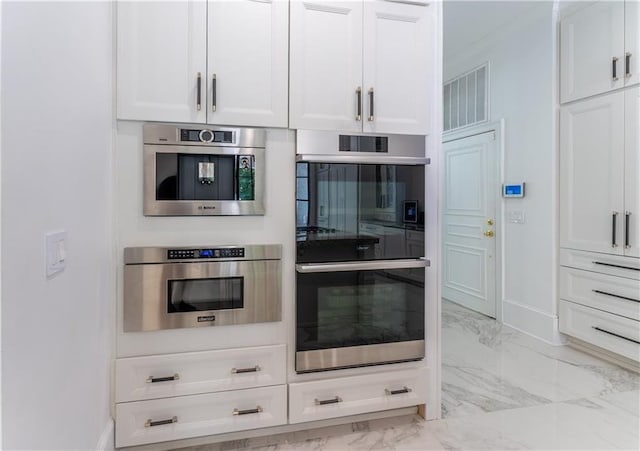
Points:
x=190 y=254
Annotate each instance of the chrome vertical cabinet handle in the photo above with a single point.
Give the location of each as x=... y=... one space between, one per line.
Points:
x=214 y=89
x=627 y=232
x=614 y=219
x=359 y=103
x=370 y=105
x=199 y=93
x=614 y=68
x=627 y=65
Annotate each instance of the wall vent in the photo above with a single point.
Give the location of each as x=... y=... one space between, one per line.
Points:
x=465 y=99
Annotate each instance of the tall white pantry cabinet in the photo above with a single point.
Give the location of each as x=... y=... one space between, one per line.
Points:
x=600 y=179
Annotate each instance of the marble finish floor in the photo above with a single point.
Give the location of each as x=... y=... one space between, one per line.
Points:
x=501 y=389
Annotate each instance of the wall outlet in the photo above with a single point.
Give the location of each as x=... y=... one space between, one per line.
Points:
x=516 y=217
x=55 y=252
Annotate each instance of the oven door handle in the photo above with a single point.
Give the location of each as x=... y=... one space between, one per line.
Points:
x=362 y=266
x=364 y=159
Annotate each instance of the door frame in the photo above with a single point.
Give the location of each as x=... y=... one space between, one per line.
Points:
x=498 y=128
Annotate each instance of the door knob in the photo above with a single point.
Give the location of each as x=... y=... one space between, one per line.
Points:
x=488 y=233
x=490 y=221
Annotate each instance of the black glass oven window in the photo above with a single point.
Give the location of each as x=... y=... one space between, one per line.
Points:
x=354 y=308
x=204 y=177
x=196 y=295
x=348 y=212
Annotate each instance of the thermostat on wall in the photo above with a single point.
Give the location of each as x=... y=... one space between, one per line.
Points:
x=513 y=190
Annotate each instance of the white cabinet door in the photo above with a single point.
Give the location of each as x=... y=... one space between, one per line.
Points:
x=592 y=175
x=326 y=65
x=632 y=172
x=589 y=41
x=247 y=55
x=632 y=41
x=396 y=67
x=161 y=49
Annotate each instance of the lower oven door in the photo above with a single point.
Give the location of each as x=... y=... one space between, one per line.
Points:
x=177 y=295
x=356 y=314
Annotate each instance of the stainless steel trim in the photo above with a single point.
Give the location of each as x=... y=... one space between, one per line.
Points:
x=360 y=266
x=363 y=158
x=153 y=207
x=359 y=103
x=199 y=95
x=253 y=369
x=146 y=294
x=370 y=118
x=141 y=255
x=319 y=142
x=325 y=359
x=214 y=92
x=169 y=134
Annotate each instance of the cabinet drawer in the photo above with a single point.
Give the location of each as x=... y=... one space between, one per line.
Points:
x=612 y=294
x=319 y=400
x=628 y=267
x=161 y=420
x=161 y=376
x=612 y=332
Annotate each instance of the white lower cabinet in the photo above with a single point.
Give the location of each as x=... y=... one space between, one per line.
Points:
x=182 y=417
x=608 y=331
x=331 y=398
x=190 y=373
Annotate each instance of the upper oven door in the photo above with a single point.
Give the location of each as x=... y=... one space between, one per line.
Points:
x=359 y=210
x=177 y=295
x=203 y=180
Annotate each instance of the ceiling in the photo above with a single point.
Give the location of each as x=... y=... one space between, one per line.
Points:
x=466 y=22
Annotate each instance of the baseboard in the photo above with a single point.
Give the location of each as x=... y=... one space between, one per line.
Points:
x=530 y=321
x=107 y=438
x=603 y=354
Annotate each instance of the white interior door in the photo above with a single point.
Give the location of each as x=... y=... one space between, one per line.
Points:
x=469 y=215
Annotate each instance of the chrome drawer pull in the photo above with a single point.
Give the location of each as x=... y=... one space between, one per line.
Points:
x=615 y=335
x=616 y=296
x=324 y=402
x=616 y=266
x=153 y=380
x=258 y=409
x=254 y=369
x=397 y=392
x=150 y=423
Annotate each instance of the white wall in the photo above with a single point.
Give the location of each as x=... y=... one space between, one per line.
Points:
x=56 y=174
x=522 y=92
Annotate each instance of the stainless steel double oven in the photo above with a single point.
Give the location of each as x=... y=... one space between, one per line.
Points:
x=360 y=267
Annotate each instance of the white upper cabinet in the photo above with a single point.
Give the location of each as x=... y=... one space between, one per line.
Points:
x=632 y=173
x=169 y=52
x=592 y=51
x=247 y=56
x=161 y=53
x=632 y=42
x=397 y=44
x=592 y=171
x=326 y=65
x=360 y=66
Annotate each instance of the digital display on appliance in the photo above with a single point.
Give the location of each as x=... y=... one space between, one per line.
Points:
x=410 y=211
x=516 y=190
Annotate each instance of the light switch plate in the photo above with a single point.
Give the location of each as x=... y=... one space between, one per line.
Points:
x=516 y=217
x=55 y=252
